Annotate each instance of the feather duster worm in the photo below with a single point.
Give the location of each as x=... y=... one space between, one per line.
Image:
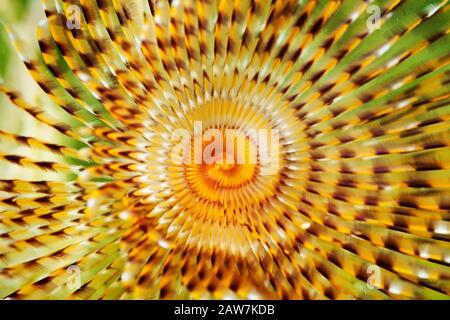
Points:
x=358 y=206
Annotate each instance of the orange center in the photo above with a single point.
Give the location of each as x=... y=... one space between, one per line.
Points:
x=228 y=161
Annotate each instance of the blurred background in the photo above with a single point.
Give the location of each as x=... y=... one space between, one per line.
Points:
x=22 y=16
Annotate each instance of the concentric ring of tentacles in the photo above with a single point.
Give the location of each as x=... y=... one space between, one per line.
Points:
x=358 y=207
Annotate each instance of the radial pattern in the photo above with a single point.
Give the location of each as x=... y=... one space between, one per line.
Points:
x=343 y=106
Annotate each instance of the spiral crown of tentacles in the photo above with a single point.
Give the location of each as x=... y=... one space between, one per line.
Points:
x=356 y=204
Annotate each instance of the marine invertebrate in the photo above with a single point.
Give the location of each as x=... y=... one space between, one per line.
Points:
x=357 y=205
